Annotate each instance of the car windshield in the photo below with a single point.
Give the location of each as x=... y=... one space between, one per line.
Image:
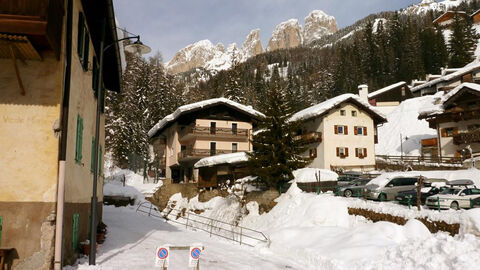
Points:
x=450 y=191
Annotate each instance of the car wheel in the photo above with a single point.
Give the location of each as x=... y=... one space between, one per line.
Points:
x=454 y=205
x=382 y=197
x=347 y=193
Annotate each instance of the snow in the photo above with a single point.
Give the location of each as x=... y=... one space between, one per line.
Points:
x=199 y=105
x=376 y=23
x=317 y=25
x=319 y=109
x=431 y=5
x=231 y=158
x=308 y=175
x=116 y=188
x=403 y=121
x=385 y=89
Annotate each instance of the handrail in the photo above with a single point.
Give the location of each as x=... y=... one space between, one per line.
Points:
x=238 y=233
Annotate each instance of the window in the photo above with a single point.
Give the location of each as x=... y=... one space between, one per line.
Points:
x=341 y=130
x=234 y=128
x=234 y=147
x=183 y=148
x=342 y=152
x=213 y=127
x=313 y=153
x=358 y=130
x=79 y=139
x=354 y=113
x=342 y=112
x=471 y=105
x=403 y=91
x=213 y=148
x=83 y=41
x=361 y=152
x=95 y=74
x=449 y=132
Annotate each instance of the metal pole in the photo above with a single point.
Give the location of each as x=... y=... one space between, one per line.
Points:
x=93 y=223
x=401 y=147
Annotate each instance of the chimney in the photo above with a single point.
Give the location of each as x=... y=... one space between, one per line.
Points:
x=363 y=92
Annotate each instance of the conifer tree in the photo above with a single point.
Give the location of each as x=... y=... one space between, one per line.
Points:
x=462 y=43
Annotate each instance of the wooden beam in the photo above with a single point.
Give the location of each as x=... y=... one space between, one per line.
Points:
x=19 y=79
x=22 y=25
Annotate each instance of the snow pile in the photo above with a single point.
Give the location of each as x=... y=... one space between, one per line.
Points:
x=319 y=109
x=231 y=158
x=404 y=122
x=133 y=180
x=308 y=175
x=116 y=188
x=200 y=105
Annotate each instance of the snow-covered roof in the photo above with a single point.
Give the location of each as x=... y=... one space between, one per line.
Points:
x=200 y=105
x=385 y=89
x=437 y=107
x=232 y=158
x=467 y=69
x=320 y=109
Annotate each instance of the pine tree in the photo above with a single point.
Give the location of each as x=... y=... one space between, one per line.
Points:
x=276 y=154
x=462 y=43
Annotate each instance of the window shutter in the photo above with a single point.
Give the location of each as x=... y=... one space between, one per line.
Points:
x=315 y=152
x=346 y=131
x=356 y=152
x=92 y=156
x=80 y=156
x=355 y=130
x=444 y=132
x=80 y=35
x=346 y=151
x=100 y=161
x=75 y=232
x=335 y=128
x=338 y=151
x=364 y=152
x=1 y=225
x=78 y=143
x=85 y=50
x=94 y=76
x=364 y=131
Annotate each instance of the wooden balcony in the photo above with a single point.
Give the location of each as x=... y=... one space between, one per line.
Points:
x=195 y=154
x=432 y=142
x=196 y=132
x=307 y=138
x=467 y=137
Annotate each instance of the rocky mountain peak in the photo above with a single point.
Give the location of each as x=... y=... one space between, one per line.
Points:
x=317 y=25
x=192 y=56
x=252 y=45
x=286 y=35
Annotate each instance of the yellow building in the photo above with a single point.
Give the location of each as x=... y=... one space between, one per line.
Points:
x=340 y=133
x=48 y=72
x=194 y=131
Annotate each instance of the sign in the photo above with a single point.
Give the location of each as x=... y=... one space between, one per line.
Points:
x=195 y=252
x=161 y=256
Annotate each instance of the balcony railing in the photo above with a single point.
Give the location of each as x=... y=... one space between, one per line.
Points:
x=201 y=153
x=217 y=132
x=311 y=137
x=467 y=137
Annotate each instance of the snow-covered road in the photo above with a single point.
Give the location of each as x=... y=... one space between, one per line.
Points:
x=132 y=238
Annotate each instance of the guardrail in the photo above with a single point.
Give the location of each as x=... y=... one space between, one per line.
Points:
x=420 y=159
x=229 y=231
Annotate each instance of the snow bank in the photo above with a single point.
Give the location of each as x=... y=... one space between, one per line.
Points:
x=308 y=175
x=231 y=158
x=404 y=122
x=115 y=188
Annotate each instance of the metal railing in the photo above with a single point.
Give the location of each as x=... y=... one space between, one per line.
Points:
x=420 y=159
x=229 y=231
x=215 y=131
x=310 y=137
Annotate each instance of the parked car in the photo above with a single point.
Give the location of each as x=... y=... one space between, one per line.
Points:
x=348 y=176
x=476 y=203
x=388 y=191
x=460 y=194
x=431 y=186
x=354 y=188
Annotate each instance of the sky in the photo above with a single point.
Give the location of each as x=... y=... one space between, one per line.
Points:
x=170 y=25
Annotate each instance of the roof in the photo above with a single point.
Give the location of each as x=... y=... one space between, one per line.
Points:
x=467 y=69
x=475 y=13
x=202 y=105
x=438 y=107
x=385 y=89
x=323 y=108
x=233 y=158
x=463 y=13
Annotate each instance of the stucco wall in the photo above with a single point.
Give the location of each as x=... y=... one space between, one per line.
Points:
x=448 y=148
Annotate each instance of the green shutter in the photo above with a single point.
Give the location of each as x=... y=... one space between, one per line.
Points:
x=95 y=77
x=75 y=232
x=80 y=35
x=79 y=135
x=1 y=225
x=100 y=161
x=92 y=155
x=86 y=45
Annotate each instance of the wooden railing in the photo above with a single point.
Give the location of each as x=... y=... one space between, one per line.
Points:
x=419 y=159
x=208 y=131
x=310 y=137
x=201 y=153
x=467 y=137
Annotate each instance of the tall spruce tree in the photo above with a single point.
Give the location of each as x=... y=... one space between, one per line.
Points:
x=276 y=154
x=463 y=41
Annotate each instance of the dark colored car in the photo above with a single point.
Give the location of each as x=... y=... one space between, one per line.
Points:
x=402 y=196
x=347 y=177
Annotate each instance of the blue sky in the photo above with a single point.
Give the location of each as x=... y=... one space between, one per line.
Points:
x=169 y=25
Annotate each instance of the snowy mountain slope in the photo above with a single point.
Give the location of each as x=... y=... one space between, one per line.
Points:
x=432 y=5
x=317 y=25
x=403 y=121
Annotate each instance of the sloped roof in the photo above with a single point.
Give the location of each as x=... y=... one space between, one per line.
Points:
x=385 y=89
x=201 y=105
x=323 y=108
x=232 y=158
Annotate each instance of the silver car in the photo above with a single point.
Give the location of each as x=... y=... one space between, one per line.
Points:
x=391 y=189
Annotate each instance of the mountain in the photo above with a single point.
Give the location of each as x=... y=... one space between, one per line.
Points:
x=432 y=5
x=288 y=34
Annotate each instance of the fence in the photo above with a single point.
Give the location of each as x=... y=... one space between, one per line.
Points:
x=420 y=159
x=230 y=231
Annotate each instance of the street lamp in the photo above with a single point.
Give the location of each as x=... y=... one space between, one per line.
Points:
x=401 y=145
x=139 y=48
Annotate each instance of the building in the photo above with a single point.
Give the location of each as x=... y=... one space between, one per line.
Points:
x=194 y=131
x=456 y=117
x=476 y=17
x=449 y=79
x=340 y=133
x=389 y=97
x=48 y=60
x=446 y=19
x=216 y=170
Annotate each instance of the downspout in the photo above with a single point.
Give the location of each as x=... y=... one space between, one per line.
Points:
x=62 y=154
x=439 y=144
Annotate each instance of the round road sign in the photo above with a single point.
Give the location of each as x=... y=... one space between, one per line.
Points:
x=162 y=253
x=195 y=253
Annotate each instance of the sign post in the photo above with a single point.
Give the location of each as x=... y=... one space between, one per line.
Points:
x=195 y=251
x=161 y=257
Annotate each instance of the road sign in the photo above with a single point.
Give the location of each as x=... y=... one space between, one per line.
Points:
x=195 y=252
x=161 y=256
